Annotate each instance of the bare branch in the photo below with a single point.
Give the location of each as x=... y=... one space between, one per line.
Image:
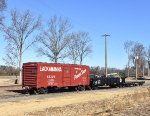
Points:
x=79 y=46
x=17 y=34
x=2 y=5
x=128 y=46
x=55 y=39
x=73 y=47
x=11 y=58
x=84 y=46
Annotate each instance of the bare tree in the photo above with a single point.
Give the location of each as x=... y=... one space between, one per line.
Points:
x=55 y=39
x=73 y=47
x=138 y=50
x=96 y=70
x=84 y=45
x=127 y=46
x=148 y=60
x=79 y=46
x=17 y=34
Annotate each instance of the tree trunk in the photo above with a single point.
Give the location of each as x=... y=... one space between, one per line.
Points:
x=74 y=61
x=128 y=65
x=128 y=71
x=20 y=68
x=148 y=70
x=80 y=60
x=148 y=73
x=136 y=68
x=55 y=60
x=143 y=71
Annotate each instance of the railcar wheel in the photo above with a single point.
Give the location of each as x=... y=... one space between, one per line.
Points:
x=42 y=90
x=46 y=90
x=89 y=88
x=95 y=88
x=82 y=88
x=32 y=91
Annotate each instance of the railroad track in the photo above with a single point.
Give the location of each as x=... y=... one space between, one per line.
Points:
x=14 y=96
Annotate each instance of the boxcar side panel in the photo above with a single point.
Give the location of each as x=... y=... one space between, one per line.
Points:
x=49 y=75
x=80 y=75
x=38 y=75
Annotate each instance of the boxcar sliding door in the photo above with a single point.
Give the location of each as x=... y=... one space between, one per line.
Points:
x=66 y=76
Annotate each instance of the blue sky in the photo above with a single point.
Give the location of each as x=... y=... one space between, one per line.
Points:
x=122 y=19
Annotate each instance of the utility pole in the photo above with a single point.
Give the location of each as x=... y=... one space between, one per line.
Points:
x=105 y=36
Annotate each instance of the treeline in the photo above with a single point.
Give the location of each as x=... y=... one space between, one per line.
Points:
x=121 y=72
x=8 y=71
x=96 y=70
x=138 y=57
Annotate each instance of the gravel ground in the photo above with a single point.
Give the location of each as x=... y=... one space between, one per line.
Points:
x=12 y=92
x=16 y=93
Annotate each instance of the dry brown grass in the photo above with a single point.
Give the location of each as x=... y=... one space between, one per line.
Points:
x=7 y=80
x=91 y=103
x=107 y=107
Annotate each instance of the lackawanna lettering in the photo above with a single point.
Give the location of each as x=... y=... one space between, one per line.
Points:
x=81 y=73
x=51 y=69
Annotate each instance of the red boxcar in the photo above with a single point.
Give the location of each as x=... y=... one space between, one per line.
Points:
x=45 y=75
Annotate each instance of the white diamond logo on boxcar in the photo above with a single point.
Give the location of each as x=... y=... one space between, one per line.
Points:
x=80 y=74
